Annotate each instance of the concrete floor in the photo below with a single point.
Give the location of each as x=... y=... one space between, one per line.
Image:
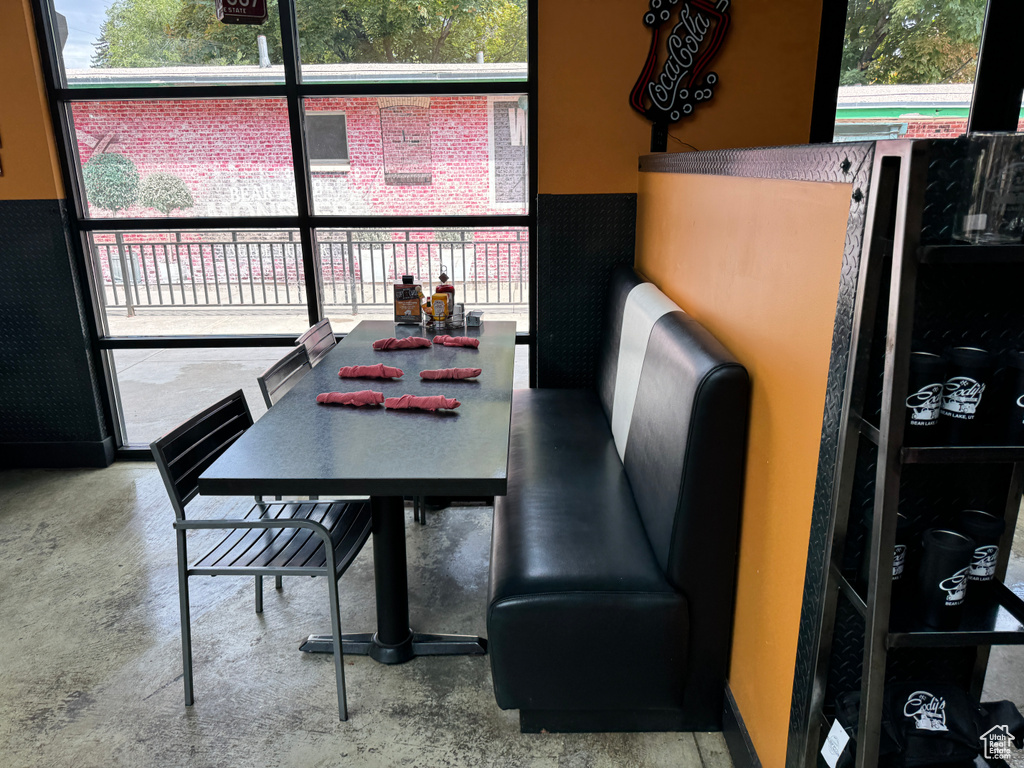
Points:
x=90 y=666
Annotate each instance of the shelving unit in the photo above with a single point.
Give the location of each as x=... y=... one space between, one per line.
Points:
x=917 y=290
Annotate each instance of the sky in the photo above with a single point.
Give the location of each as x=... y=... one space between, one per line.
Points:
x=84 y=20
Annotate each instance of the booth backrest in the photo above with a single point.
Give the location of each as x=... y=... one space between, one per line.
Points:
x=677 y=402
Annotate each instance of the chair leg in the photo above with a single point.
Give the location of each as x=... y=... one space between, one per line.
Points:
x=278 y=582
x=421 y=501
x=415 y=509
x=339 y=660
x=259 y=594
x=186 y=626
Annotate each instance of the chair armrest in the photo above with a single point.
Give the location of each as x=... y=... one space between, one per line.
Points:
x=228 y=523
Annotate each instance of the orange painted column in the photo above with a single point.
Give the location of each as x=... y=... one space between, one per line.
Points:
x=758 y=263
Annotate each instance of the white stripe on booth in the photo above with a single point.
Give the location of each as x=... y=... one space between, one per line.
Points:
x=645 y=304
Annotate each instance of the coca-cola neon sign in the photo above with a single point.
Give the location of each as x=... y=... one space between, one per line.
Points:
x=685 y=36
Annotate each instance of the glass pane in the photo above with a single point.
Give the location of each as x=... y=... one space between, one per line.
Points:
x=164 y=42
x=199 y=283
x=379 y=41
x=215 y=157
x=419 y=155
x=490 y=269
x=161 y=388
x=908 y=69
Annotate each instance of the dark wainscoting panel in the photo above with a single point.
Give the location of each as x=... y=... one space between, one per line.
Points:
x=581 y=239
x=737 y=739
x=52 y=413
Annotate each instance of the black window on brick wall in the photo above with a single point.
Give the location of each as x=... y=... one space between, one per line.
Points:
x=327 y=141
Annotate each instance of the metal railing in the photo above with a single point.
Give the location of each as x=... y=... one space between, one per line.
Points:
x=263 y=270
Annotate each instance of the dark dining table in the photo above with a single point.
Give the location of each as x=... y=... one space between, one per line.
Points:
x=300 y=447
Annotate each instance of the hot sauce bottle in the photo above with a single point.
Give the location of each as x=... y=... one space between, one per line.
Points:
x=443 y=300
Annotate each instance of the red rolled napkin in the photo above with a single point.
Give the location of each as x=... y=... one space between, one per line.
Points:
x=429 y=403
x=451 y=373
x=379 y=371
x=457 y=341
x=365 y=397
x=412 y=342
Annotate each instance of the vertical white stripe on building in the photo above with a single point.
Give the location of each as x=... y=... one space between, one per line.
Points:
x=645 y=304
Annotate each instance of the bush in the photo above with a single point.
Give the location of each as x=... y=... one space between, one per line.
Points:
x=165 y=192
x=111 y=181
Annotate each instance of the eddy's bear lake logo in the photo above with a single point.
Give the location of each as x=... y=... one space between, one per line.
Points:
x=685 y=36
x=928 y=711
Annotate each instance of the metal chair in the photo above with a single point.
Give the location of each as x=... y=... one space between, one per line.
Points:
x=283 y=375
x=318 y=341
x=291 y=538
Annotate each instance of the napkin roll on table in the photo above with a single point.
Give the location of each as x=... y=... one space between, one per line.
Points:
x=364 y=397
x=412 y=342
x=457 y=341
x=428 y=403
x=451 y=373
x=379 y=371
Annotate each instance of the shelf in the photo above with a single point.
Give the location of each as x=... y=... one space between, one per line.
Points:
x=995 y=619
x=975 y=454
x=963 y=253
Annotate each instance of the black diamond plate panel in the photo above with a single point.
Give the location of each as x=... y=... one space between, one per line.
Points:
x=581 y=238
x=947 y=184
x=48 y=386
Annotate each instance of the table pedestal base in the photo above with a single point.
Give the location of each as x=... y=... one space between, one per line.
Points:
x=417 y=644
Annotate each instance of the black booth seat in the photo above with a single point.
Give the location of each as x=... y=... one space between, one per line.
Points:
x=593 y=585
x=613 y=554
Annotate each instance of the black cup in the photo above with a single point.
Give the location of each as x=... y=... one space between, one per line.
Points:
x=1007 y=410
x=967 y=376
x=942 y=577
x=986 y=530
x=924 y=398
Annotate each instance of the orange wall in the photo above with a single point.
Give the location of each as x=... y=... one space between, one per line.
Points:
x=27 y=151
x=758 y=262
x=590 y=55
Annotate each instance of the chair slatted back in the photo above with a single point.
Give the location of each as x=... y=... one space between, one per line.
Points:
x=318 y=341
x=187 y=451
x=283 y=375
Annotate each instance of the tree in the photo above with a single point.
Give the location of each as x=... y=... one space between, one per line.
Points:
x=135 y=33
x=111 y=181
x=912 y=41
x=330 y=32
x=165 y=192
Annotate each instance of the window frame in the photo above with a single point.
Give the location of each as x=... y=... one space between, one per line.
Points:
x=295 y=92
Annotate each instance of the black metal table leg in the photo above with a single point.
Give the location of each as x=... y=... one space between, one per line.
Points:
x=393 y=642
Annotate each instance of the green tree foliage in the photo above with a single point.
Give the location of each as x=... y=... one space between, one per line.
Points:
x=136 y=33
x=165 y=192
x=912 y=41
x=111 y=181
x=330 y=32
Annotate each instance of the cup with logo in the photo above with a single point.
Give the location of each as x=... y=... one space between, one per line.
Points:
x=942 y=577
x=986 y=530
x=968 y=371
x=1008 y=399
x=924 y=398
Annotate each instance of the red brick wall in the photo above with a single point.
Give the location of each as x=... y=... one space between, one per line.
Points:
x=926 y=128
x=235 y=155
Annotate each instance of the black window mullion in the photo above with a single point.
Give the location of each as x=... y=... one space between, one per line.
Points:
x=292 y=76
x=532 y=37
x=999 y=78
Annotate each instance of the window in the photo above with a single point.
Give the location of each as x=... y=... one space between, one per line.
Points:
x=232 y=188
x=326 y=141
